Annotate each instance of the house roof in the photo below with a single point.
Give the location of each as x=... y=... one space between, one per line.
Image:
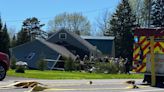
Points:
x=58 y=48
x=77 y=37
x=98 y=37
x=84 y=42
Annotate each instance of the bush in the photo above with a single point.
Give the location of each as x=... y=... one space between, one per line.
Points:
x=109 y=67
x=77 y=66
x=20 y=69
x=41 y=64
x=121 y=67
x=13 y=62
x=69 y=65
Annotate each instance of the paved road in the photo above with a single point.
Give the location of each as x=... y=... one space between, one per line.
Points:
x=106 y=85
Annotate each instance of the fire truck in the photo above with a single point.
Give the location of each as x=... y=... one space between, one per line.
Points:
x=148 y=54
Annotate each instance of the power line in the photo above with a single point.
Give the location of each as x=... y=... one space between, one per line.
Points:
x=48 y=18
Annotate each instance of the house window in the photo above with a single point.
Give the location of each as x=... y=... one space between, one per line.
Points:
x=30 y=55
x=62 y=36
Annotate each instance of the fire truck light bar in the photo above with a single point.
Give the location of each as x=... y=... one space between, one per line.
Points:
x=149 y=32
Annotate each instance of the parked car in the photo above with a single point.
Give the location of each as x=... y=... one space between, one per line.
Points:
x=4 y=65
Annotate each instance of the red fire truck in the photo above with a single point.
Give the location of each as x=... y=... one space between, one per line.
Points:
x=148 y=54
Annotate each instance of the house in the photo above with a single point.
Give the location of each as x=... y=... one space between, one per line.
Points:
x=31 y=52
x=61 y=45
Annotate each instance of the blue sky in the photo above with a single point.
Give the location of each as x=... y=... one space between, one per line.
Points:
x=13 y=12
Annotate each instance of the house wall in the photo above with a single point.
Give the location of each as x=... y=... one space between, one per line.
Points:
x=105 y=46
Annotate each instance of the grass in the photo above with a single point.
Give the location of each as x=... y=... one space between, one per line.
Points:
x=70 y=75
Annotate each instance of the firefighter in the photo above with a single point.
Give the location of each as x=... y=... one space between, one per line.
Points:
x=127 y=66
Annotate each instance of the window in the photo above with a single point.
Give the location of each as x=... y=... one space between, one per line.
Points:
x=62 y=36
x=30 y=55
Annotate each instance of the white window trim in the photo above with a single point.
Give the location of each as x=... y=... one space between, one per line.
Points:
x=30 y=56
x=62 y=34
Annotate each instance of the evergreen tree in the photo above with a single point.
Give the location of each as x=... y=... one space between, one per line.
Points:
x=1 y=35
x=1 y=24
x=141 y=9
x=31 y=29
x=22 y=37
x=122 y=24
x=157 y=13
x=13 y=42
x=6 y=41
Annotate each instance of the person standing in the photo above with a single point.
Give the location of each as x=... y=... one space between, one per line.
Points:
x=127 y=66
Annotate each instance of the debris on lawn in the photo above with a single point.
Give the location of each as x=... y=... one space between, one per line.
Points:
x=35 y=86
x=132 y=84
x=90 y=82
x=38 y=88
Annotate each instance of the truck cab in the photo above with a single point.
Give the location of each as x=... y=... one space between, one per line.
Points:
x=4 y=65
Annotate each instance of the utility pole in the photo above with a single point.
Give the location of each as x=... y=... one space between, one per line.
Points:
x=153 y=77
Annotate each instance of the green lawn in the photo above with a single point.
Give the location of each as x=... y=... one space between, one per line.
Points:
x=71 y=75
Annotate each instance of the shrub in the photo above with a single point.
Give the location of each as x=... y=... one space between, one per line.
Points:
x=106 y=67
x=20 y=69
x=13 y=62
x=77 y=66
x=121 y=67
x=41 y=64
x=69 y=65
x=113 y=68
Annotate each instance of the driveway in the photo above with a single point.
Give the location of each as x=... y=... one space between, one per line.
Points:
x=103 y=85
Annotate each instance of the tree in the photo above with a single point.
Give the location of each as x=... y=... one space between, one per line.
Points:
x=1 y=35
x=13 y=41
x=4 y=39
x=31 y=29
x=104 y=24
x=157 y=13
x=146 y=12
x=1 y=25
x=22 y=37
x=122 y=24
x=74 y=22
x=12 y=32
x=141 y=10
x=137 y=6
